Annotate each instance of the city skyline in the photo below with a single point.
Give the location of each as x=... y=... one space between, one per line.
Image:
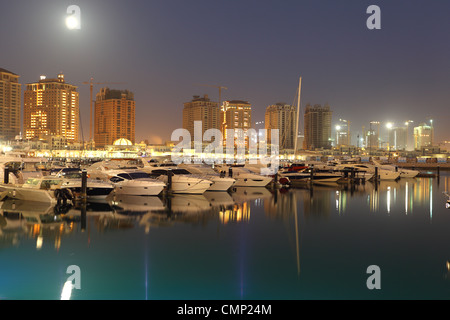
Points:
x=387 y=75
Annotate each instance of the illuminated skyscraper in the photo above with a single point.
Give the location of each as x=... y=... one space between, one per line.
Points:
x=9 y=105
x=51 y=108
x=343 y=135
x=114 y=116
x=317 y=127
x=398 y=138
x=423 y=136
x=204 y=110
x=236 y=114
x=283 y=117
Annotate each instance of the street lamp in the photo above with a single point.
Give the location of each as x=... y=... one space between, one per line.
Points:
x=389 y=126
x=432 y=131
x=408 y=142
x=338 y=128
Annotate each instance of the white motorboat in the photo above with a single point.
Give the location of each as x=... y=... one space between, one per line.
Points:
x=301 y=177
x=182 y=181
x=404 y=173
x=40 y=189
x=219 y=182
x=370 y=169
x=20 y=168
x=136 y=183
x=95 y=188
x=245 y=177
x=128 y=179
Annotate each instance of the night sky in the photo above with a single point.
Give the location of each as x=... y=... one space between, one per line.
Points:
x=257 y=48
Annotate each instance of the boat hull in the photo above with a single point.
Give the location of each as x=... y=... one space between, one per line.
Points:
x=94 y=189
x=244 y=181
x=187 y=185
x=139 y=188
x=221 y=184
x=37 y=195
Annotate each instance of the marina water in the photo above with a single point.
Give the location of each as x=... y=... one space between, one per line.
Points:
x=255 y=243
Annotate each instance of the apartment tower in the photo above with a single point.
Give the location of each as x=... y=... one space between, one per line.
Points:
x=9 y=105
x=236 y=114
x=201 y=109
x=317 y=122
x=51 y=109
x=423 y=136
x=283 y=117
x=114 y=116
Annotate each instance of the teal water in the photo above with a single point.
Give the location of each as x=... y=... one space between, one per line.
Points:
x=310 y=243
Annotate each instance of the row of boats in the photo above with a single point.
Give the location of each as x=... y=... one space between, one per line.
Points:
x=126 y=177
x=139 y=177
x=334 y=172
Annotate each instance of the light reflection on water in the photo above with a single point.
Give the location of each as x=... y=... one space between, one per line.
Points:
x=255 y=243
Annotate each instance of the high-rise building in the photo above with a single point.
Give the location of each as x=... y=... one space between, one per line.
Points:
x=236 y=114
x=423 y=136
x=371 y=139
x=343 y=135
x=317 y=126
x=114 y=116
x=283 y=117
x=9 y=105
x=51 y=108
x=398 y=138
x=204 y=110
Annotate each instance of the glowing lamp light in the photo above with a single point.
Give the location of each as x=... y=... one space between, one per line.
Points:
x=389 y=125
x=338 y=128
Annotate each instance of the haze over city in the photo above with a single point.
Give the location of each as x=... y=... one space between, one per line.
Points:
x=165 y=51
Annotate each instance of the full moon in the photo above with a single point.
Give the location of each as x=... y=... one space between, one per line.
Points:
x=72 y=22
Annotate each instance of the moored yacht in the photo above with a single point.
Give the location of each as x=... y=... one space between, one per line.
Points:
x=370 y=169
x=95 y=189
x=245 y=177
x=40 y=189
x=305 y=176
x=220 y=182
x=136 y=183
x=404 y=173
x=181 y=180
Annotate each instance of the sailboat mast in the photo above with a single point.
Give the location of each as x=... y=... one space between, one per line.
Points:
x=297 y=119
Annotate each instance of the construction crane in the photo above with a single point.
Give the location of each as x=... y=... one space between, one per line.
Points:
x=91 y=84
x=218 y=87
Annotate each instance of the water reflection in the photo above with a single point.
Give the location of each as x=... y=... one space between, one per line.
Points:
x=43 y=223
x=277 y=243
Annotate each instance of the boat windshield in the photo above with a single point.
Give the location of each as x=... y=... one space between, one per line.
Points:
x=48 y=183
x=32 y=182
x=69 y=173
x=174 y=171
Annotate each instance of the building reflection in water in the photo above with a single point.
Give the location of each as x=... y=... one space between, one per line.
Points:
x=46 y=224
x=236 y=213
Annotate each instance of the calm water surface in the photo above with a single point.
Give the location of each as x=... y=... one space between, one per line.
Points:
x=311 y=243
